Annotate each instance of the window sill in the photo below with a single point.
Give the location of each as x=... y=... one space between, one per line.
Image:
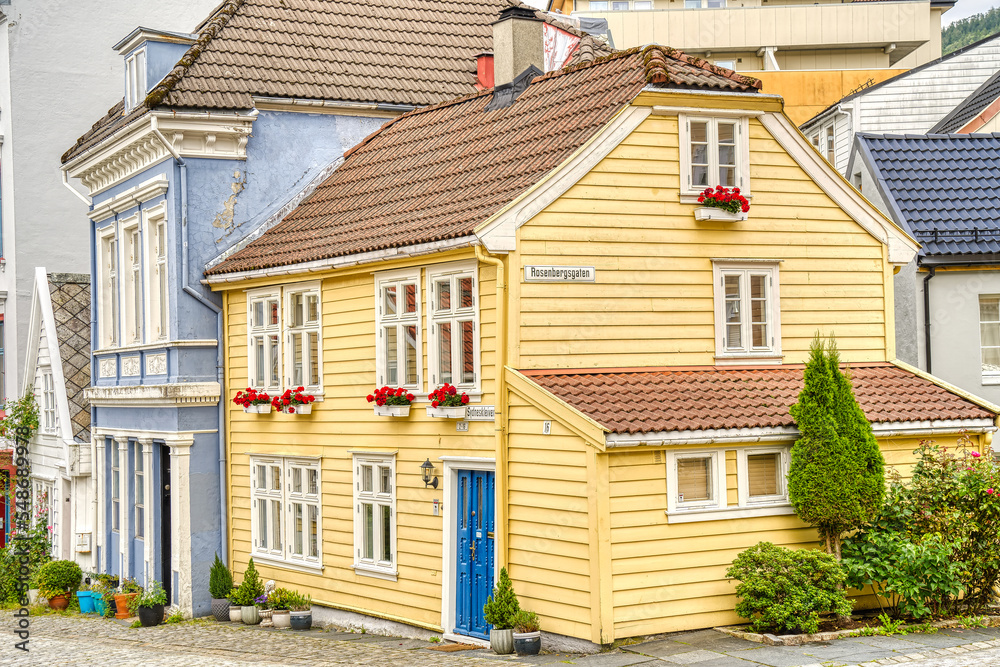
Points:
x=287 y=565
x=692 y=198
x=749 y=359
x=990 y=380
x=723 y=513
x=374 y=572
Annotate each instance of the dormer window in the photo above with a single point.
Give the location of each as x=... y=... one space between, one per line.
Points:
x=135 y=79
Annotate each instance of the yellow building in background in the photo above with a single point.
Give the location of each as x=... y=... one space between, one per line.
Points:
x=629 y=356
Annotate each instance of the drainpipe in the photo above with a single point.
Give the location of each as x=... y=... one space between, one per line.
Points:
x=500 y=398
x=218 y=316
x=927 y=316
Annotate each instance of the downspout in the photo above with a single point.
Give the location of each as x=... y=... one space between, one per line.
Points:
x=500 y=398
x=218 y=316
x=927 y=316
x=95 y=507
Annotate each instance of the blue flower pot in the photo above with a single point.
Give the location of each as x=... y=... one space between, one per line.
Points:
x=86 y=601
x=99 y=604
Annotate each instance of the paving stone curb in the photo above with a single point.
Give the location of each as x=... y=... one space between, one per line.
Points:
x=740 y=632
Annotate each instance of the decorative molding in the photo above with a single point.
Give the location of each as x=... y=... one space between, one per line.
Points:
x=200 y=342
x=188 y=394
x=130 y=366
x=131 y=198
x=156 y=364
x=109 y=368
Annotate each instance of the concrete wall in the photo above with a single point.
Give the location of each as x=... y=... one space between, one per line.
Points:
x=64 y=75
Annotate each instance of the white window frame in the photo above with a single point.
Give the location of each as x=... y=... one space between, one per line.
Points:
x=400 y=321
x=702 y=4
x=620 y=2
x=131 y=263
x=116 y=487
x=742 y=178
x=718 y=481
x=135 y=79
x=286 y=497
x=599 y=5
x=374 y=566
x=271 y=382
x=720 y=268
x=288 y=330
x=743 y=476
x=139 y=493
x=108 y=287
x=156 y=283
x=50 y=416
x=454 y=270
x=989 y=377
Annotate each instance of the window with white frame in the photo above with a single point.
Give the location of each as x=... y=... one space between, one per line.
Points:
x=762 y=475
x=598 y=5
x=116 y=490
x=398 y=361
x=140 y=492
x=286 y=509
x=454 y=322
x=696 y=480
x=156 y=290
x=135 y=79
x=714 y=151
x=989 y=334
x=620 y=5
x=50 y=421
x=823 y=140
x=132 y=262
x=747 y=312
x=303 y=331
x=108 y=289
x=264 y=349
x=375 y=513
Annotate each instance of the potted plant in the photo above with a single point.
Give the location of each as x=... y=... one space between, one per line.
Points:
x=281 y=600
x=128 y=589
x=253 y=401
x=447 y=403
x=251 y=589
x=500 y=611
x=391 y=402
x=300 y=616
x=722 y=204
x=527 y=633
x=57 y=580
x=85 y=597
x=220 y=583
x=293 y=401
x=235 y=608
x=148 y=605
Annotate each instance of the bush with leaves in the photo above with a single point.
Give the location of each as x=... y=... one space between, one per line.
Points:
x=36 y=543
x=785 y=590
x=58 y=577
x=220 y=579
x=501 y=608
x=251 y=588
x=20 y=412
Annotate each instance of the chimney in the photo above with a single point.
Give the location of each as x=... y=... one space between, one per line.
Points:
x=517 y=43
x=484 y=70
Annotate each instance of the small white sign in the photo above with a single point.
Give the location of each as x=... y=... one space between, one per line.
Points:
x=559 y=274
x=462 y=426
x=481 y=413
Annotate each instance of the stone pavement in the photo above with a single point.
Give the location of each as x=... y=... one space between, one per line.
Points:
x=78 y=640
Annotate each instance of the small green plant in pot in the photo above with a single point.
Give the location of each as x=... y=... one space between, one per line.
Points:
x=148 y=605
x=220 y=583
x=500 y=611
x=527 y=633
x=301 y=611
x=281 y=601
x=251 y=589
x=235 y=608
x=57 y=580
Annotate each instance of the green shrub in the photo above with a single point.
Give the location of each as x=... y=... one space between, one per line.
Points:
x=251 y=588
x=58 y=577
x=36 y=543
x=220 y=579
x=501 y=607
x=526 y=621
x=153 y=595
x=785 y=590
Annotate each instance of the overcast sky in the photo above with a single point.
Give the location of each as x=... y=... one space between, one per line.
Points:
x=966 y=8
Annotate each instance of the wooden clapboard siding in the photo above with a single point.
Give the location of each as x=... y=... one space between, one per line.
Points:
x=344 y=421
x=652 y=303
x=551 y=522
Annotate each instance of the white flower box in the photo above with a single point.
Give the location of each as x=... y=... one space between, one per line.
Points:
x=392 y=410
x=712 y=213
x=447 y=413
x=305 y=409
x=262 y=409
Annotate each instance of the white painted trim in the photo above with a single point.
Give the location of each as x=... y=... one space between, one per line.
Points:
x=663 y=110
x=107 y=326
x=150 y=217
x=130 y=198
x=727 y=513
x=286 y=565
x=373 y=257
x=720 y=492
x=188 y=394
x=287 y=291
x=742 y=148
x=748 y=360
x=434 y=272
x=207 y=342
x=499 y=232
x=743 y=475
x=465 y=639
x=901 y=247
x=719 y=268
x=284 y=557
x=374 y=569
x=363 y=570
x=449 y=534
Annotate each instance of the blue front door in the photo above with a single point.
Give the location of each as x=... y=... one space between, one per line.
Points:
x=475 y=551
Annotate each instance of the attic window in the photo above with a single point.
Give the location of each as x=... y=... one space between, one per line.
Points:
x=135 y=79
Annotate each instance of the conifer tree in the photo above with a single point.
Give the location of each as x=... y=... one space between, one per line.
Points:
x=836 y=479
x=501 y=607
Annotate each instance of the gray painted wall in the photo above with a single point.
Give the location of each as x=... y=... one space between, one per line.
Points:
x=64 y=75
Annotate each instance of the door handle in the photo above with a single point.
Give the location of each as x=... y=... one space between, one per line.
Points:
x=472 y=551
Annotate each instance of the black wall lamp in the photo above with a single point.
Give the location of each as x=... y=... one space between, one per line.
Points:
x=427 y=474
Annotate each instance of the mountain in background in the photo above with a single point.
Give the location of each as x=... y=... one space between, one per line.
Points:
x=966 y=31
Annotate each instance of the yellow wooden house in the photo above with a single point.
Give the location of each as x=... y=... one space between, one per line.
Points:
x=628 y=355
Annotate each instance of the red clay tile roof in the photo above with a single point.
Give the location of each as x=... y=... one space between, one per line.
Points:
x=436 y=173
x=646 y=401
x=395 y=52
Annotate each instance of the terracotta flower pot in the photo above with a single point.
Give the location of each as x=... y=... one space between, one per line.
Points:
x=59 y=602
x=121 y=604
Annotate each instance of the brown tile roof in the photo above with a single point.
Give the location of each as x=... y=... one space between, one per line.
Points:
x=699 y=398
x=395 y=52
x=436 y=173
x=70 y=293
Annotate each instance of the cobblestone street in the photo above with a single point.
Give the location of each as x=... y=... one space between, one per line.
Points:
x=77 y=640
